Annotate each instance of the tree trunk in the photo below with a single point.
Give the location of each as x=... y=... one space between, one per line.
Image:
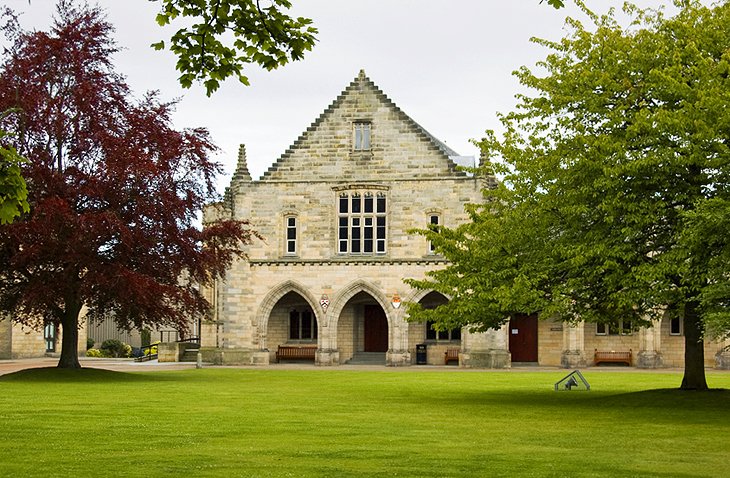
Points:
x=694 y=350
x=70 y=343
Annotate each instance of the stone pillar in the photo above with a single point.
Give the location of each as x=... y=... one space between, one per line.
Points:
x=722 y=358
x=488 y=349
x=209 y=333
x=573 y=355
x=650 y=355
x=327 y=352
x=397 y=354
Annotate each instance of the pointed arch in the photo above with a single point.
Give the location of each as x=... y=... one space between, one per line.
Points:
x=419 y=294
x=349 y=291
x=275 y=295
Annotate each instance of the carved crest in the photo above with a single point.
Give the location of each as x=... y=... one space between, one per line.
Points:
x=324 y=302
x=396 y=301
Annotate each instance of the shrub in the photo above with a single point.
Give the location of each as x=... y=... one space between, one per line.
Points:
x=89 y=343
x=115 y=348
x=152 y=349
x=94 y=353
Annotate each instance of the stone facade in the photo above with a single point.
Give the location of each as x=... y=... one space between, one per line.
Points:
x=335 y=211
x=393 y=176
x=20 y=341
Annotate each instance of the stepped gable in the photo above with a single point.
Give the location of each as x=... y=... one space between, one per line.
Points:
x=360 y=82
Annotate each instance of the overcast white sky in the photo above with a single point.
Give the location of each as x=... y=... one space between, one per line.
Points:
x=447 y=64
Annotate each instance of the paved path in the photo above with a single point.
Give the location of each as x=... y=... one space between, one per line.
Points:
x=128 y=365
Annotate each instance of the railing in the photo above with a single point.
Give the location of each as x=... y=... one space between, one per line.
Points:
x=174 y=336
x=189 y=340
x=149 y=352
x=169 y=335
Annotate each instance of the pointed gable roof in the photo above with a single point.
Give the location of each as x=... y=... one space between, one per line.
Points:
x=361 y=98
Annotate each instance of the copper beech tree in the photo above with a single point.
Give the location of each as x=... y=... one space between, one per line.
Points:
x=114 y=191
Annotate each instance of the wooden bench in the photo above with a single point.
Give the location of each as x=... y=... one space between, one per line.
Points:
x=296 y=352
x=612 y=357
x=451 y=354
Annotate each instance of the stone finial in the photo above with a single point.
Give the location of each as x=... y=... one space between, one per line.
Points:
x=241 y=173
x=362 y=75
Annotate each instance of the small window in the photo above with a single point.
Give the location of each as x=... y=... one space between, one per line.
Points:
x=622 y=327
x=434 y=220
x=452 y=335
x=361 y=136
x=302 y=325
x=675 y=326
x=291 y=235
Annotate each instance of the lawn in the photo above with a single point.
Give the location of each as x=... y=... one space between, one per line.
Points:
x=340 y=423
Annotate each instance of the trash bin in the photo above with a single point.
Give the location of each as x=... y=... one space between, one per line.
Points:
x=421 y=357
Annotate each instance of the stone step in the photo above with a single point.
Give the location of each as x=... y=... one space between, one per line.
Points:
x=367 y=358
x=190 y=355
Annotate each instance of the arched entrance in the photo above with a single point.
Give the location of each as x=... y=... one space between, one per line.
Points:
x=363 y=330
x=291 y=322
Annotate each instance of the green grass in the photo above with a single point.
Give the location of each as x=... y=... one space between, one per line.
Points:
x=340 y=423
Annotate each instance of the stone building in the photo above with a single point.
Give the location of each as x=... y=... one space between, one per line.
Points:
x=335 y=210
x=22 y=341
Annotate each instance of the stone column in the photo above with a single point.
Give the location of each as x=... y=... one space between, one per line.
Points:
x=486 y=349
x=573 y=355
x=327 y=352
x=397 y=355
x=650 y=355
x=722 y=358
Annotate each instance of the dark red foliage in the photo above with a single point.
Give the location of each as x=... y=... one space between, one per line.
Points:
x=115 y=191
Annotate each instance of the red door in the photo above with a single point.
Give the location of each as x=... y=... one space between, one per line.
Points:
x=523 y=338
x=376 y=329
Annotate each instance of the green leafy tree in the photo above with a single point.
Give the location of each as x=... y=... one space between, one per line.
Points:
x=13 y=190
x=555 y=3
x=228 y=35
x=614 y=203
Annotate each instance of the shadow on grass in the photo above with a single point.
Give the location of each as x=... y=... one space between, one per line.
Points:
x=81 y=375
x=714 y=400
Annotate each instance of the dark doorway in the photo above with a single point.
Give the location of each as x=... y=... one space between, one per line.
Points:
x=523 y=338
x=376 y=329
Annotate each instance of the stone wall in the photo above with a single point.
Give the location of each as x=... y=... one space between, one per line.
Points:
x=550 y=342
